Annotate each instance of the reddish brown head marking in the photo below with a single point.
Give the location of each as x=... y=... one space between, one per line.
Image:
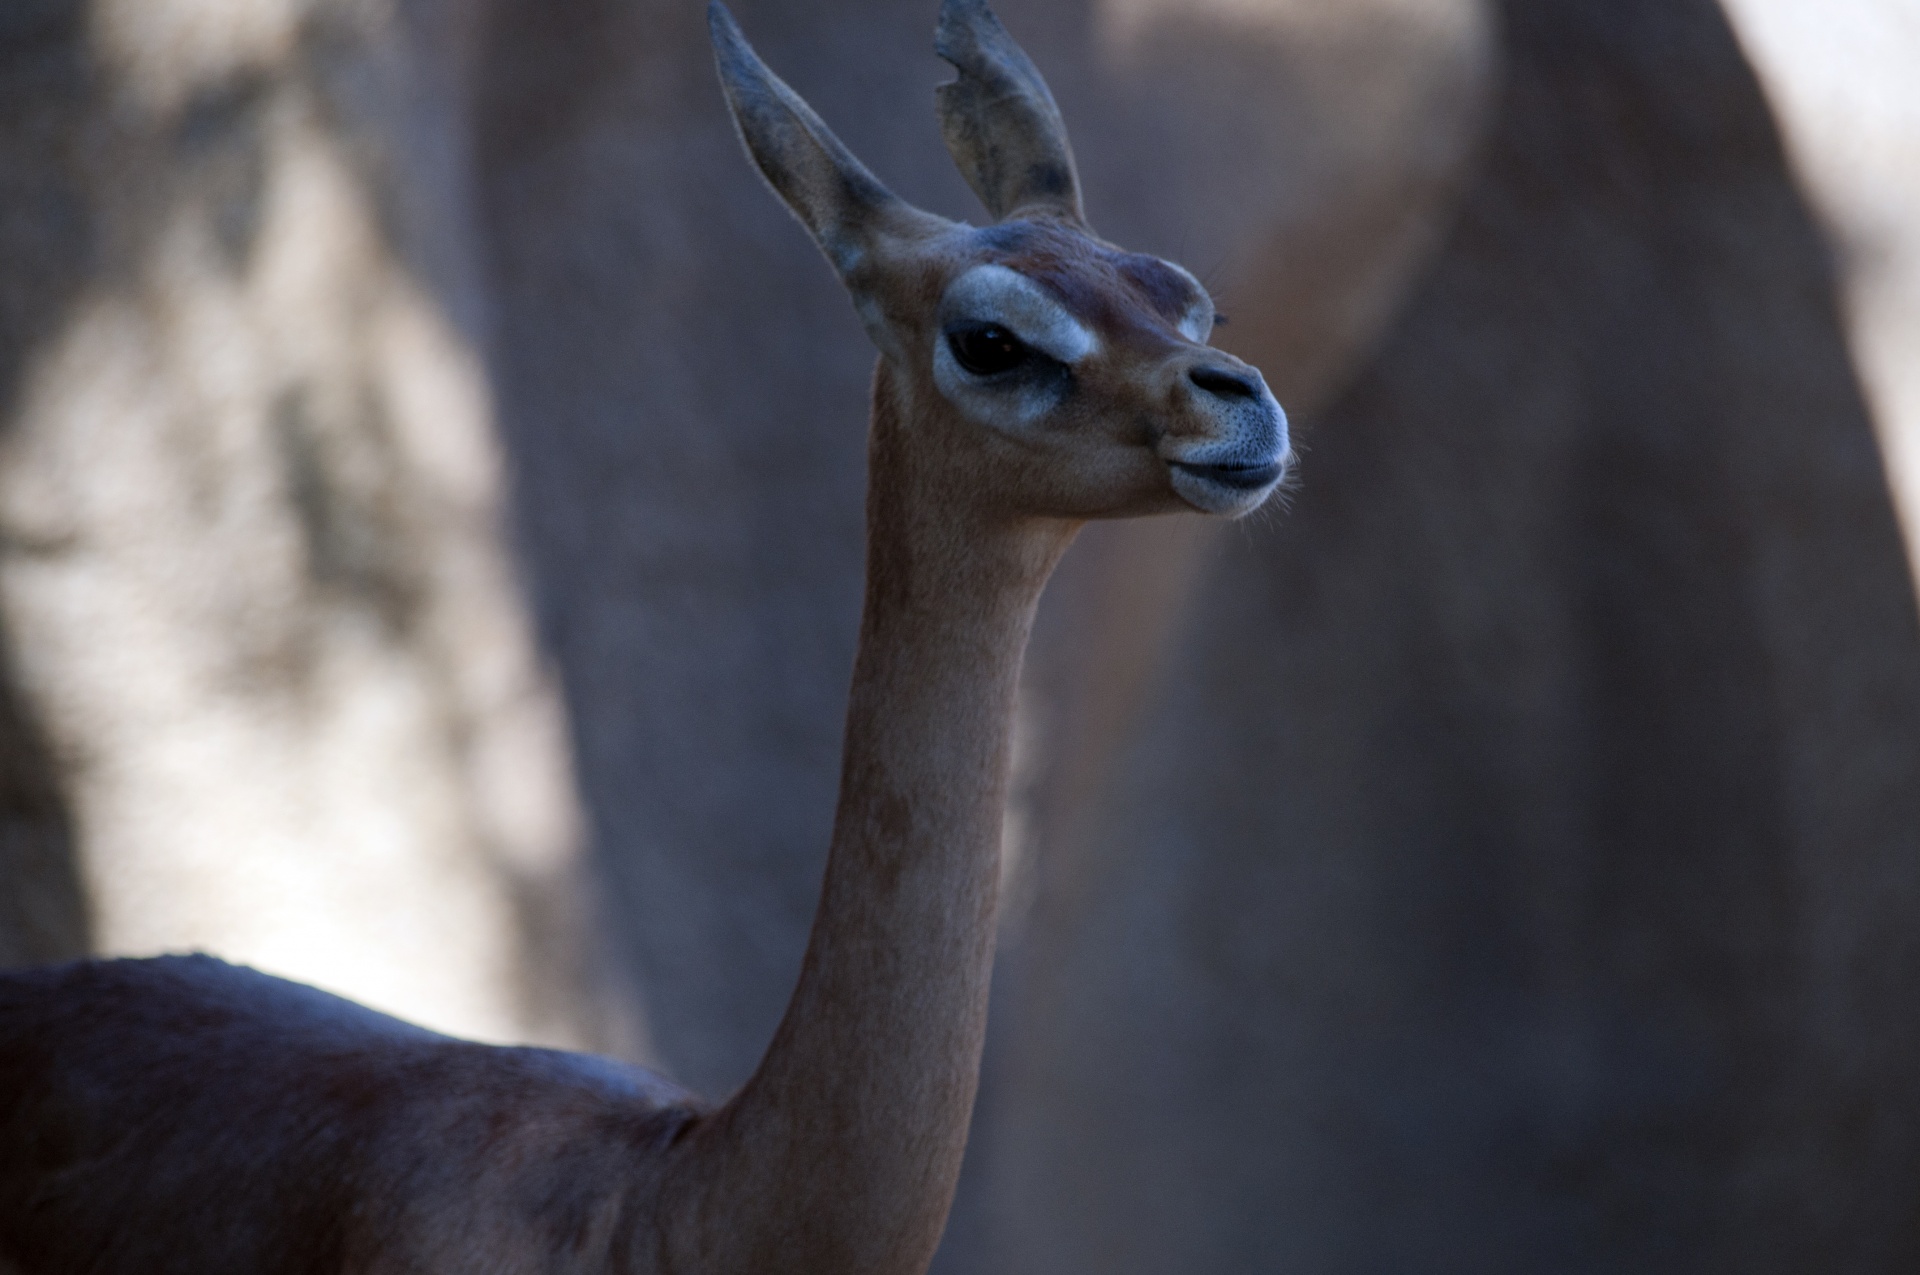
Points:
x=1102 y=285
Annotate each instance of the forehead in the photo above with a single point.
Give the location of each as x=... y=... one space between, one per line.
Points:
x=1098 y=283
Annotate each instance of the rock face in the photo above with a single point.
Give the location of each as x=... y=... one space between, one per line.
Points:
x=1503 y=859
x=43 y=251
x=1840 y=78
x=1509 y=869
x=254 y=579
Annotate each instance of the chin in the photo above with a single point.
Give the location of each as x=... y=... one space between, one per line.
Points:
x=1222 y=500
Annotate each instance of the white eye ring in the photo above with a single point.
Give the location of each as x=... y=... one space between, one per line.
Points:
x=994 y=296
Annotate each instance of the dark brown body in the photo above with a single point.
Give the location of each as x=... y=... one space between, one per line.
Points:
x=184 y=1115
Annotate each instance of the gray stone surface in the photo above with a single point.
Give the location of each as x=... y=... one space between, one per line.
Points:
x=1512 y=868
x=43 y=257
x=1501 y=859
x=256 y=601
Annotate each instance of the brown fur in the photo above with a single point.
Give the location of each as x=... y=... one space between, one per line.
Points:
x=184 y=1115
x=1114 y=290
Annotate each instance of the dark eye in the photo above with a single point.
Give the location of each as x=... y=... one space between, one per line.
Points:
x=987 y=350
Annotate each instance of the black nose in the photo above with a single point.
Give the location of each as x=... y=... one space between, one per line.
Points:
x=1225 y=383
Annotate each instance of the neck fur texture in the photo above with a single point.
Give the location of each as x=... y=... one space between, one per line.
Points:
x=849 y=1136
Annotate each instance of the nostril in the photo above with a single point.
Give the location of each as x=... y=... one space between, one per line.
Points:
x=1218 y=380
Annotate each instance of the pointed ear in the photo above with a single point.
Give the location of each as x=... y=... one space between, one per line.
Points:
x=998 y=118
x=842 y=204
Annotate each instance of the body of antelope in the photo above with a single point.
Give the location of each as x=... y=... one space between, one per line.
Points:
x=184 y=1115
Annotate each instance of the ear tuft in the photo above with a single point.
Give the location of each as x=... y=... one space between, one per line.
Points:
x=999 y=120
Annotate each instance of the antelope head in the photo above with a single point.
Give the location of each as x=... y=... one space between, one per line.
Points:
x=1035 y=367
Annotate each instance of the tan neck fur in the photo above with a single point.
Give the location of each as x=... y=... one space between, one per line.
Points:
x=848 y=1138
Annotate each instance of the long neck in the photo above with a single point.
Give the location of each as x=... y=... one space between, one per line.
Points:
x=841 y=1153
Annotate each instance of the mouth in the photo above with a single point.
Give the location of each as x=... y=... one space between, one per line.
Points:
x=1230 y=490
x=1240 y=477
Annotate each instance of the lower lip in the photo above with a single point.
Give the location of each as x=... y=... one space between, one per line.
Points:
x=1239 y=477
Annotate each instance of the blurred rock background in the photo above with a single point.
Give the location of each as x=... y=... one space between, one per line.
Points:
x=430 y=474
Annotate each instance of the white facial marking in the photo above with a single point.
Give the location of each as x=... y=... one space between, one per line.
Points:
x=999 y=297
x=1197 y=323
x=1008 y=299
x=1012 y=408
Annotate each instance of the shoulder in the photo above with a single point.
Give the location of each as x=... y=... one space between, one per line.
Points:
x=170 y=997
x=182 y=1100
x=196 y=1011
